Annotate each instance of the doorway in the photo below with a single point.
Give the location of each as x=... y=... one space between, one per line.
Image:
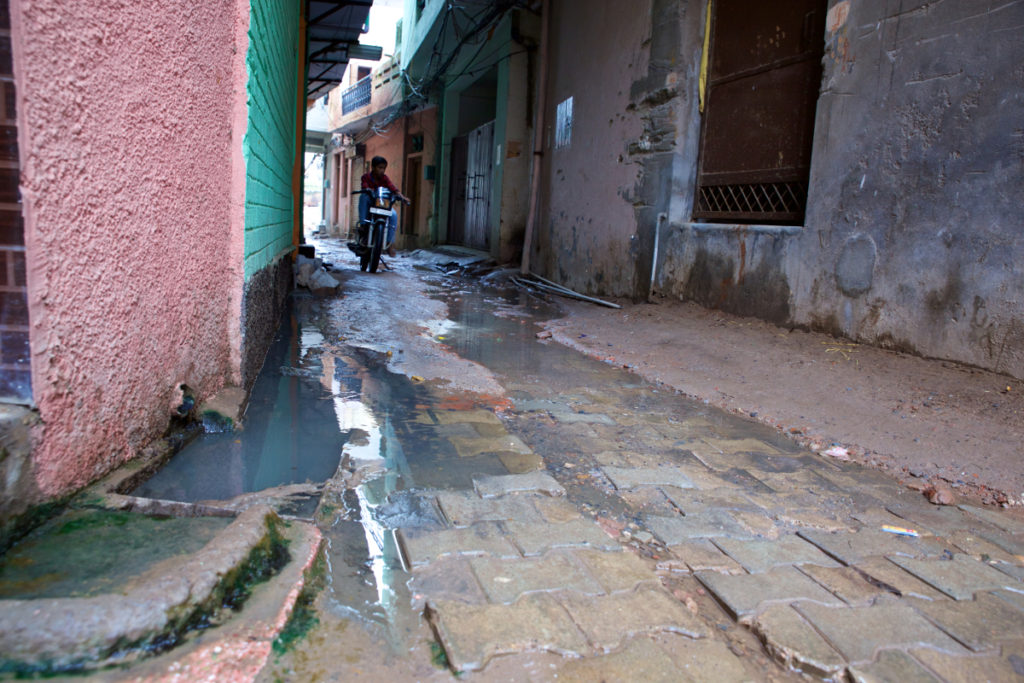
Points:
x=472 y=168
x=764 y=75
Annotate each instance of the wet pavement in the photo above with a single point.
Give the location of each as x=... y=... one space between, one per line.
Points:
x=504 y=508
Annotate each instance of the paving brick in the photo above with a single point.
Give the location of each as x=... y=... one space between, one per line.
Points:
x=886 y=574
x=845 y=582
x=892 y=666
x=466 y=447
x=812 y=519
x=505 y=580
x=756 y=523
x=1008 y=522
x=979 y=624
x=621 y=571
x=571 y=417
x=702 y=555
x=745 y=594
x=876 y=517
x=740 y=446
x=858 y=633
x=959 y=578
x=449 y=579
x=1012 y=597
x=760 y=556
x=1011 y=543
x=1014 y=570
x=473 y=634
x=609 y=620
x=629 y=478
x=500 y=485
x=978 y=547
x=537 y=539
x=942 y=520
x=700 y=661
x=640 y=660
x=463 y=509
x=554 y=510
x=445 y=417
x=794 y=643
x=710 y=524
x=421 y=546
x=693 y=501
x=519 y=463
x=853 y=547
x=970 y=669
x=746 y=481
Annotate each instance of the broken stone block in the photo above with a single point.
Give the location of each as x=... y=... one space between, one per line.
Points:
x=472 y=634
x=859 y=633
x=795 y=643
x=609 y=620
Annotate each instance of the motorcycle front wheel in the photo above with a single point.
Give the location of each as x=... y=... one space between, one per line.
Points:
x=376 y=247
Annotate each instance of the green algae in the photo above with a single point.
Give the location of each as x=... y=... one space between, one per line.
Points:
x=304 y=616
x=87 y=552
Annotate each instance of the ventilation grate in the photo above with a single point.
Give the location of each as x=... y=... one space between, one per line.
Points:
x=760 y=201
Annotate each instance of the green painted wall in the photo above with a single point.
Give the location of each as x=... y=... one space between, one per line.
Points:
x=269 y=143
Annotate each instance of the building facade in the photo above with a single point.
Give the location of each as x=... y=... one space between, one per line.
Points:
x=158 y=149
x=844 y=166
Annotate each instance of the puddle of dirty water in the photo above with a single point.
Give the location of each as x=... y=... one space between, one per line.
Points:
x=88 y=552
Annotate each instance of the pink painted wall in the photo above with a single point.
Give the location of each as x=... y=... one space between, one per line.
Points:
x=130 y=146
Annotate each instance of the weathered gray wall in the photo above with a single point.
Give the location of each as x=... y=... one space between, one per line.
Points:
x=587 y=235
x=913 y=230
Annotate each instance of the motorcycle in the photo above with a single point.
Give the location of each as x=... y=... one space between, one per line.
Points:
x=371 y=234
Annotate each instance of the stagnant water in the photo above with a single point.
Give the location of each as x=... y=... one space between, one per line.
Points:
x=319 y=397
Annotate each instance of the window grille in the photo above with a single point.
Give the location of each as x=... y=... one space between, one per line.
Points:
x=356 y=97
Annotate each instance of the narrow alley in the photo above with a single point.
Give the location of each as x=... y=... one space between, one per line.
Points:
x=500 y=507
x=511 y=340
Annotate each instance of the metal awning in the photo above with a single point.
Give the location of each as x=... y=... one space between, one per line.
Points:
x=332 y=38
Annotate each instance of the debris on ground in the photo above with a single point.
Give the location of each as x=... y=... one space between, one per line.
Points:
x=939 y=493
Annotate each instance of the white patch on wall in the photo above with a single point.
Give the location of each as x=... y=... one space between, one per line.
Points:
x=563 y=124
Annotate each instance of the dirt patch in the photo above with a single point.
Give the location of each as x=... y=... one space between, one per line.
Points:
x=916 y=418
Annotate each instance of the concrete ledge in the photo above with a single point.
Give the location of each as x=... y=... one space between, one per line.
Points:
x=743 y=228
x=48 y=635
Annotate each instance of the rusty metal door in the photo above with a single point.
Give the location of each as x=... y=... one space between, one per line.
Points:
x=764 y=74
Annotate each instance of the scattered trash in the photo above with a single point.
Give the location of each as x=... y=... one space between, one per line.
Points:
x=899 y=530
x=416 y=378
x=544 y=334
x=837 y=452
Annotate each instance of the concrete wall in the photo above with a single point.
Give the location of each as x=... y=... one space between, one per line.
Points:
x=587 y=236
x=130 y=143
x=914 y=229
x=912 y=232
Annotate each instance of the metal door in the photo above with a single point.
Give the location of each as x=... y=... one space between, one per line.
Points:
x=764 y=75
x=457 y=195
x=479 y=168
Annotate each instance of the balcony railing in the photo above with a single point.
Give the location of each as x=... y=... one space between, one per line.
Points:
x=356 y=97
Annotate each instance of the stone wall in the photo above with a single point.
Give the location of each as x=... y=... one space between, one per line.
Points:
x=911 y=235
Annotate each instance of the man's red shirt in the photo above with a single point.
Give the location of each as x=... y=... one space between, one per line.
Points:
x=371 y=183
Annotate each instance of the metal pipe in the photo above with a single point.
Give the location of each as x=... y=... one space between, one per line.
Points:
x=538 y=136
x=654 y=260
